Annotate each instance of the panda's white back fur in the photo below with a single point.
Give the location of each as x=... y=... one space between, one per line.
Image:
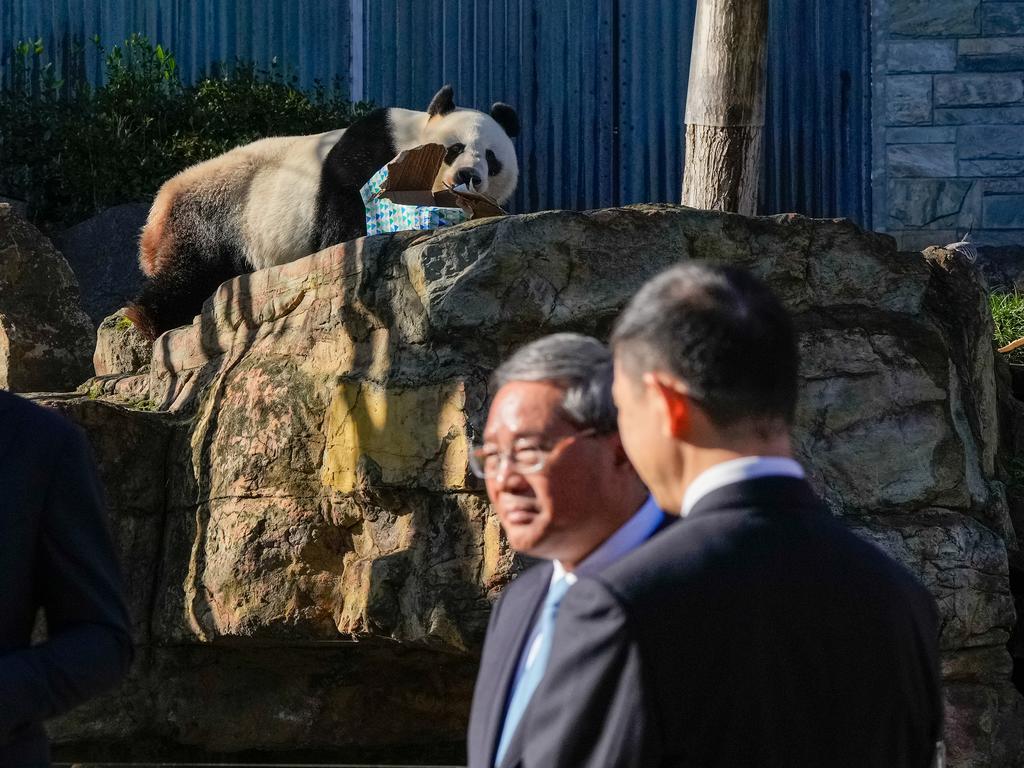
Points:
x=269 y=182
x=277 y=217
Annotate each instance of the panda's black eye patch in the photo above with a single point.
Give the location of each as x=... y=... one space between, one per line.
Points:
x=493 y=164
x=453 y=151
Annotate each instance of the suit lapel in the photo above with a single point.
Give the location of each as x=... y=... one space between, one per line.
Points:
x=514 y=753
x=521 y=614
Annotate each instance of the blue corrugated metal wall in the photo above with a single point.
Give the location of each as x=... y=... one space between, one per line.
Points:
x=600 y=85
x=601 y=90
x=817 y=149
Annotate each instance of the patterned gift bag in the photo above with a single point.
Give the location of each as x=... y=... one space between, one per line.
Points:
x=382 y=215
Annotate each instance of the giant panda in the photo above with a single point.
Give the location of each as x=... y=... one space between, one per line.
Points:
x=278 y=199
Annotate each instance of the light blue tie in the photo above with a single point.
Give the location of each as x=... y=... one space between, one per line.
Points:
x=536 y=661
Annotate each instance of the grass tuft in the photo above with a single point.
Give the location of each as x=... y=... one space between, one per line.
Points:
x=1008 y=317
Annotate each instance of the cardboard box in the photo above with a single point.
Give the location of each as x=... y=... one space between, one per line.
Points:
x=408 y=193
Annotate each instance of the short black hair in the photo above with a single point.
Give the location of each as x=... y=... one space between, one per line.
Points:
x=721 y=331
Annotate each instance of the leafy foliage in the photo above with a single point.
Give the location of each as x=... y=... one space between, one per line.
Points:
x=71 y=149
x=1008 y=317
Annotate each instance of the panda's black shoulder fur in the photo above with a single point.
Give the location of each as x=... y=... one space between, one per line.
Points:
x=366 y=146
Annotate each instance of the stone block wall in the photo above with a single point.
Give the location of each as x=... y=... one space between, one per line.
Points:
x=948 y=119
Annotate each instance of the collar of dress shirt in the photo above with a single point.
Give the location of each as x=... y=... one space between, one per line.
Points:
x=630 y=535
x=735 y=471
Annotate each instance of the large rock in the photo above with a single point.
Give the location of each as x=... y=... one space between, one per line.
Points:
x=104 y=254
x=46 y=340
x=120 y=348
x=325 y=561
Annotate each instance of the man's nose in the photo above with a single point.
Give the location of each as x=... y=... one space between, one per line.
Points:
x=507 y=475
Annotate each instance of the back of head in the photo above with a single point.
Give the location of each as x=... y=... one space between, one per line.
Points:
x=722 y=332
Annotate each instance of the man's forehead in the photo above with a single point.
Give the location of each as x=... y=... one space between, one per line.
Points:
x=526 y=408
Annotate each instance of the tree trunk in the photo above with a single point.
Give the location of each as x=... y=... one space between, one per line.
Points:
x=725 y=105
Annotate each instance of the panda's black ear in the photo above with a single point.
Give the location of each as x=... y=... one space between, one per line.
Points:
x=443 y=102
x=506 y=117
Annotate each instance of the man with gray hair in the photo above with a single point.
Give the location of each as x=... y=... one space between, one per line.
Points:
x=564 y=491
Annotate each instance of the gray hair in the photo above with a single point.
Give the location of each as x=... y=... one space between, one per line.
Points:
x=581 y=365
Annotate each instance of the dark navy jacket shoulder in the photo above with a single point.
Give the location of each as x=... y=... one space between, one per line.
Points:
x=56 y=556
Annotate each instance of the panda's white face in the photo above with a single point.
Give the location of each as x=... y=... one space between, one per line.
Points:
x=479 y=152
x=479 y=149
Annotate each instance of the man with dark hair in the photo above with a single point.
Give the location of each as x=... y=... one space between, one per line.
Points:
x=55 y=557
x=564 y=491
x=757 y=631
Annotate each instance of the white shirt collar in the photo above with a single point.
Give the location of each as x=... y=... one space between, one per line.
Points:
x=735 y=471
x=630 y=535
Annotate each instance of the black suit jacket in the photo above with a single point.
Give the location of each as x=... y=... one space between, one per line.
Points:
x=55 y=554
x=512 y=618
x=757 y=631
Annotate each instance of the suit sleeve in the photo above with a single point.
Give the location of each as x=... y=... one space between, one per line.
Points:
x=78 y=583
x=593 y=707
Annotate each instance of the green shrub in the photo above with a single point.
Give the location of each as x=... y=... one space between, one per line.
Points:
x=1008 y=317
x=71 y=150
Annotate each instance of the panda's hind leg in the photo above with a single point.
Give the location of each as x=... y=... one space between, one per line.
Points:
x=173 y=296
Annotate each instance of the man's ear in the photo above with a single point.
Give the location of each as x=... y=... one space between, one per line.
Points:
x=675 y=403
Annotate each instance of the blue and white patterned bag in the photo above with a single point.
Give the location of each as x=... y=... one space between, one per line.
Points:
x=382 y=215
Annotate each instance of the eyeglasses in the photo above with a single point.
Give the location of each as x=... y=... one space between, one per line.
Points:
x=486 y=462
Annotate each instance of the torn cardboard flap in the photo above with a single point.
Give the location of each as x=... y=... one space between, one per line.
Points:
x=414 y=178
